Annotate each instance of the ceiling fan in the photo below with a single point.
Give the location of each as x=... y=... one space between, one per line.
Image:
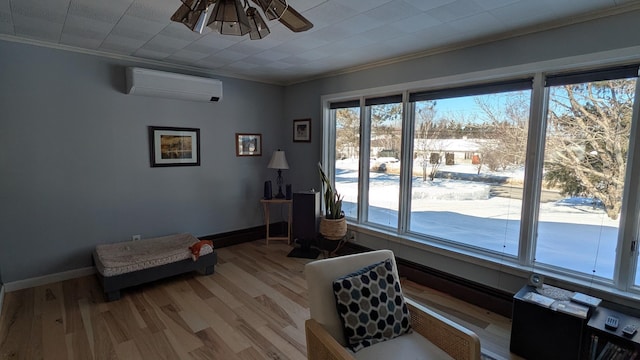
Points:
x=231 y=17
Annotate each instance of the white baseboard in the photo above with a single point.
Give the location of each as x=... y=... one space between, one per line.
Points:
x=48 y=279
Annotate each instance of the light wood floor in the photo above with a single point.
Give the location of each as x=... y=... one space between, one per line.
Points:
x=253 y=307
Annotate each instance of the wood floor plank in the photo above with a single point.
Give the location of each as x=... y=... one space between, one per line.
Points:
x=104 y=348
x=263 y=345
x=128 y=351
x=36 y=335
x=117 y=329
x=80 y=344
x=53 y=338
x=235 y=340
x=250 y=284
x=252 y=308
x=147 y=313
x=179 y=331
x=251 y=302
x=216 y=345
x=250 y=353
x=220 y=292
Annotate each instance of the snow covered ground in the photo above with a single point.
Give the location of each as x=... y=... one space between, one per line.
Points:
x=572 y=232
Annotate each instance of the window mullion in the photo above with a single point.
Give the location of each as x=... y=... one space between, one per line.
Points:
x=406 y=163
x=365 y=141
x=329 y=141
x=533 y=171
x=626 y=260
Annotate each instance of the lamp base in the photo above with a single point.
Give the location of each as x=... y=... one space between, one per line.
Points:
x=279 y=195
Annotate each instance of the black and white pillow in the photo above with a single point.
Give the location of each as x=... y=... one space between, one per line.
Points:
x=371 y=305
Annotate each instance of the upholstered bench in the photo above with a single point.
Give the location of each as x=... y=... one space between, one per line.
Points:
x=125 y=264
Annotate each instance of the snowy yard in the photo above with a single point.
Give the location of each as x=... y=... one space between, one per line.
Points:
x=572 y=233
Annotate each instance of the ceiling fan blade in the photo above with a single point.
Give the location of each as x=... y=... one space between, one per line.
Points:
x=181 y=13
x=294 y=21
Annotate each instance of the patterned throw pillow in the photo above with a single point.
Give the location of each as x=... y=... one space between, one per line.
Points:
x=371 y=305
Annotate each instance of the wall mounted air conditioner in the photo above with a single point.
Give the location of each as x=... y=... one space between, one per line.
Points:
x=170 y=85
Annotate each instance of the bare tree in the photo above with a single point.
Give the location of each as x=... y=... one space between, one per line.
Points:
x=425 y=134
x=505 y=130
x=588 y=139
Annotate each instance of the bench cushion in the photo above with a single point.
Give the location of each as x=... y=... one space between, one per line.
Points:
x=125 y=257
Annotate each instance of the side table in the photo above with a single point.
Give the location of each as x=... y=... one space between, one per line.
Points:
x=266 y=205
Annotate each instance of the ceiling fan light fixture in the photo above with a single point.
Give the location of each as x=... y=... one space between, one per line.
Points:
x=194 y=4
x=193 y=14
x=181 y=14
x=273 y=9
x=202 y=20
x=228 y=18
x=259 y=28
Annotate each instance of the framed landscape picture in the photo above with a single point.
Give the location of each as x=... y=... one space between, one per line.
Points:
x=173 y=146
x=248 y=144
x=302 y=130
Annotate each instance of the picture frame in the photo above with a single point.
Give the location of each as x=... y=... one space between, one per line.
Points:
x=302 y=130
x=248 y=144
x=174 y=146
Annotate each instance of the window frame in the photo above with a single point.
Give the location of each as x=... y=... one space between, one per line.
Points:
x=626 y=261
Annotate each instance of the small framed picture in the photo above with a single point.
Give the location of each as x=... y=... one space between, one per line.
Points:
x=248 y=144
x=302 y=130
x=173 y=146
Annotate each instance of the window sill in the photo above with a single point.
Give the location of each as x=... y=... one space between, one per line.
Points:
x=505 y=265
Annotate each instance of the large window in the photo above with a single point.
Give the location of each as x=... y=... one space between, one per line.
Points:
x=585 y=163
x=541 y=170
x=385 y=121
x=469 y=149
x=347 y=154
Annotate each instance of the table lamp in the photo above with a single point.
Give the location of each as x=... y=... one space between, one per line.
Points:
x=279 y=161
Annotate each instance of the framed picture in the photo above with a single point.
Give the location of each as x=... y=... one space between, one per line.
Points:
x=302 y=130
x=173 y=146
x=248 y=144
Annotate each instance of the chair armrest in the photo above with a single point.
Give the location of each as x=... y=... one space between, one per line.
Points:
x=321 y=345
x=456 y=340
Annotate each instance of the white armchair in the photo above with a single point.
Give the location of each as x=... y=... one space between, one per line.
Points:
x=433 y=336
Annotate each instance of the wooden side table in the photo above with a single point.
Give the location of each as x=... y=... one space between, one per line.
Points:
x=541 y=333
x=266 y=205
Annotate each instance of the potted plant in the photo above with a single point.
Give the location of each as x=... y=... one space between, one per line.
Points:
x=333 y=225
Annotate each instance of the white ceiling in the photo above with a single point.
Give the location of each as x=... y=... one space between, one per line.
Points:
x=346 y=33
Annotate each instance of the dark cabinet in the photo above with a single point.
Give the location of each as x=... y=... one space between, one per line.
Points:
x=540 y=332
x=306 y=215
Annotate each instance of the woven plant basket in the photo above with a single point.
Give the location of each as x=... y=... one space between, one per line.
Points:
x=333 y=229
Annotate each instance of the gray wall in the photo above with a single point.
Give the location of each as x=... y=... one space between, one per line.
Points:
x=303 y=100
x=74 y=155
x=74 y=147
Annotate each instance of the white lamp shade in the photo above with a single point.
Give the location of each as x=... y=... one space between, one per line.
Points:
x=278 y=160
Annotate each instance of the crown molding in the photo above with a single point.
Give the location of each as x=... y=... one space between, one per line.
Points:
x=167 y=65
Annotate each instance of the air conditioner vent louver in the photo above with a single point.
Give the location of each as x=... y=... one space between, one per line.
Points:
x=171 y=85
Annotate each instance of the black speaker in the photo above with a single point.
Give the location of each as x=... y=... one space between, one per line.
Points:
x=267 y=190
x=288 y=192
x=306 y=215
